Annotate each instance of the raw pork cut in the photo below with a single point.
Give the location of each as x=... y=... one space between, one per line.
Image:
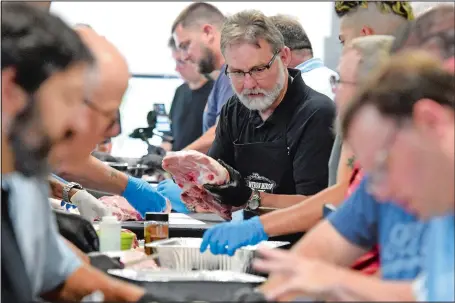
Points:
x=120 y=208
x=191 y=170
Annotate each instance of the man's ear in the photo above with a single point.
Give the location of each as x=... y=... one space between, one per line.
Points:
x=367 y=31
x=13 y=98
x=209 y=31
x=430 y=117
x=286 y=56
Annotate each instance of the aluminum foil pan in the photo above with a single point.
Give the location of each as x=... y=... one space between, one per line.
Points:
x=183 y=254
x=184 y=276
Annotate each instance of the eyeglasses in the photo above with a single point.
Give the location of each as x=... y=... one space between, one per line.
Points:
x=257 y=72
x=335 y=81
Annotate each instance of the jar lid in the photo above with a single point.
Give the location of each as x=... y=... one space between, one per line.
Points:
x=156 y=217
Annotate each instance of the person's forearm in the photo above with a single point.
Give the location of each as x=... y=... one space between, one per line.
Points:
x=86 y=280
x=204 y=142
x=94 y=174
x=302 y=216
x=280 y=201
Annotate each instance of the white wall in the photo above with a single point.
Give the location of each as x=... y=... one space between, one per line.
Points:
x=141 y=29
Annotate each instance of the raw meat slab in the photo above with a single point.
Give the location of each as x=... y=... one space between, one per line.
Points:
x=191 y=170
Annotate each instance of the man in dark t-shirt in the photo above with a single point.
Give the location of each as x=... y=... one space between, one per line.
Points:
x=189 y=102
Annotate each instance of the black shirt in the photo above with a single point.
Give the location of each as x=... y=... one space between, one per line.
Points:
x=309 y=135
x=186 y=114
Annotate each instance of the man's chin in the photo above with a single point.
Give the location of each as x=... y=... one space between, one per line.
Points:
x=259 y=105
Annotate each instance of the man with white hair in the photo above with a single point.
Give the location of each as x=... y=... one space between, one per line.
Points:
x=275 y=135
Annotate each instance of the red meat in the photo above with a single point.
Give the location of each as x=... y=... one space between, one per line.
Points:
x=191 y=170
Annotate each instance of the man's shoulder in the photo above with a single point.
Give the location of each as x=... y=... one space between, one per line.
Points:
x=316 y=102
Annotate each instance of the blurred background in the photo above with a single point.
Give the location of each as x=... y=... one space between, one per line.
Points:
x=141 y=31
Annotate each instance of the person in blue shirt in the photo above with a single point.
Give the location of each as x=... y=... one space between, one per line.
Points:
x=412 y=159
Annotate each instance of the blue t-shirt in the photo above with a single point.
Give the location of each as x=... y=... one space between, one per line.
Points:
x=366 y=222
x=221 y=92
x=439 y=264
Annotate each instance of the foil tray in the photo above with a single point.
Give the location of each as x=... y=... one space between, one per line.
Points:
x=148 y=275
x=183 y=254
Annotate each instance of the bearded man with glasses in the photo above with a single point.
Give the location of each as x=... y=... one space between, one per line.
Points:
x=275 y=134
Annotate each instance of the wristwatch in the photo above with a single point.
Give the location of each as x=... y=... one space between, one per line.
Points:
x=66 y=190
x=255 y=201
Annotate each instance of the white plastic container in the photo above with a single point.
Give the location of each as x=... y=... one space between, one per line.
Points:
x=109 y=234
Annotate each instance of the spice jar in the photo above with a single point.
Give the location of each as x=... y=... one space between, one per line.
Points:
x=156 y=227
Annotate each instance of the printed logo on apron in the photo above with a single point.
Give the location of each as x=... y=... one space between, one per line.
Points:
x=260 y=183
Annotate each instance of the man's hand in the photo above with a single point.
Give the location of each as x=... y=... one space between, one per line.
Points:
x=87 y=279
x=235 y=192
x=143 y=197
x=304 y=277
x=89 y=206
x=171 y=191
x=226 y=238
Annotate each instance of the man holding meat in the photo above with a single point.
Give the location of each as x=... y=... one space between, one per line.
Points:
x=274 y=136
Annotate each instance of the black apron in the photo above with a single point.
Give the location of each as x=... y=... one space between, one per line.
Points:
x=266 y=166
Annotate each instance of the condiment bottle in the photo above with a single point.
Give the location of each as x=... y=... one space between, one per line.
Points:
x=156 y=227
x=109 y=234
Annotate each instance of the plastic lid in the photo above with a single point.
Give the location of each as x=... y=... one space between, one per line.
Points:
x=110 y=219
x=156 y=217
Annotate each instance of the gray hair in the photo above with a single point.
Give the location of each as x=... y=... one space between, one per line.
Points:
x=293 y=33
x=373 y=50
x=248 y=27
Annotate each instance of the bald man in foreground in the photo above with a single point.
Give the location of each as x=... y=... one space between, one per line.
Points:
x=73 y=161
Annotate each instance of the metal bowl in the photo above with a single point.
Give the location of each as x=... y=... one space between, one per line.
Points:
x=183 y=254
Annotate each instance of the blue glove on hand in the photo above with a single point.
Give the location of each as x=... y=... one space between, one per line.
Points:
x=233 y=235
x=143 y=197
x=172 y=191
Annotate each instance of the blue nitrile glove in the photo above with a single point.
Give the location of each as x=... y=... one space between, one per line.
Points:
x=233 y=235
x=143 y=197
x=172 y=191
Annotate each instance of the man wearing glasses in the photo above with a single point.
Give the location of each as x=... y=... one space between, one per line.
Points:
x=73 y=161
x=275 y=135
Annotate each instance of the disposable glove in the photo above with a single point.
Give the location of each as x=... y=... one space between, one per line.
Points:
x=233 y=193
x=143 y=197
x=171 y=191
x=226 y=238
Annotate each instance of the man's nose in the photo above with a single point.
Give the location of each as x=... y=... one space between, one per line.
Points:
x=185 y=55
x=249 y=82
x=113 y=131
